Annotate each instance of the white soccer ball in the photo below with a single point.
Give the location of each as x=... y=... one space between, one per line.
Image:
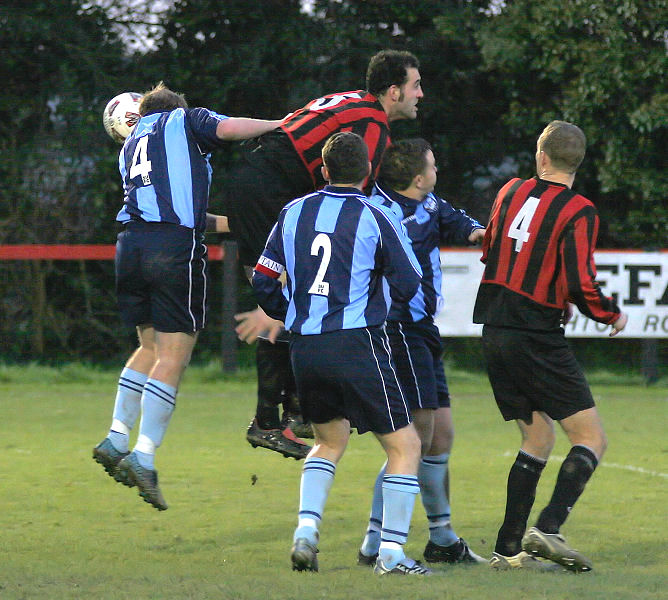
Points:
x=121 y=115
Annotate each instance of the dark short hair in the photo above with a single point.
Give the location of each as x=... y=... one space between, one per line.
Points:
x=402 y=161
x=565 y=144
x=161 y=99
x=346 y=157
x=387 y=68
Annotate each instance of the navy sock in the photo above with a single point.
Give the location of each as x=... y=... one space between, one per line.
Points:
x=573 y=476
x=521 y=493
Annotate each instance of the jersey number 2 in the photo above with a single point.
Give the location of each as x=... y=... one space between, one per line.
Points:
x=519 y=228
x=320 y=287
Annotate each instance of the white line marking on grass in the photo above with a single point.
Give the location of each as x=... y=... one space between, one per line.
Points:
x=632 y=468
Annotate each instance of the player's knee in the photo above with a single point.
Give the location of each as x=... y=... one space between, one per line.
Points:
x=601 y=443
x=174 y=364
x=412 y=447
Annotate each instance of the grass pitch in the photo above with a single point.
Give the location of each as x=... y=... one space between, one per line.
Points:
x=67 y=530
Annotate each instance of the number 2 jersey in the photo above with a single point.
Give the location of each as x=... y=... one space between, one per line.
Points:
x=539 y=254
x=165 y=167
x=345 y=260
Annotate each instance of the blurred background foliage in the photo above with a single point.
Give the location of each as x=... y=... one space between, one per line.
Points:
x=494 y=73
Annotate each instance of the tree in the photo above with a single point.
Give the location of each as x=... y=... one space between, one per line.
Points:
x=61 y=63
x=603 y=66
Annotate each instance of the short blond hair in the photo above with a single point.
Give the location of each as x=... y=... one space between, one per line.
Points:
x=161 y=99
x=565 y=144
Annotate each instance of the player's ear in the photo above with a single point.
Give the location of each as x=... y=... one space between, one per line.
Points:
x=395 y=92
x=324 y=172
x=542 y=161
x=368 y=169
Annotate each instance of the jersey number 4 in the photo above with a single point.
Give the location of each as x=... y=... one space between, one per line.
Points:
x=141 y=165
x=519 y=228
x=319 y=286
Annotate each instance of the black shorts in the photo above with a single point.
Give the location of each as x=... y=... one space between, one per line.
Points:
x=275 y=381
x=349 y=373
x=534 y=371
x=269 y=175
x=417 y=353
x=161 y=277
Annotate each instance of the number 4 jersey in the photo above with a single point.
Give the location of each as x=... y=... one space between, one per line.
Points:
x=538 y=254
x=344 y=259
x=165 y=167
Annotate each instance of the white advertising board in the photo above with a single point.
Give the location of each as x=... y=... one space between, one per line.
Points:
x=638 y=280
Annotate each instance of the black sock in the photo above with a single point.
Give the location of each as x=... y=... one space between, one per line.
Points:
x=573 y=476
x=521 y=493
x=273 y=363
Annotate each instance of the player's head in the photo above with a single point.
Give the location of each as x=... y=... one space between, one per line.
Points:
x=387 y=68
x=565 y=145
x=345 y=159
x=394 y=76
x=409 y=163
x=161 y=99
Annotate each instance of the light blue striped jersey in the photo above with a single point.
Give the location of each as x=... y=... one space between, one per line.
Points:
x=429 y=223
x=165 y=167
x=345 y=260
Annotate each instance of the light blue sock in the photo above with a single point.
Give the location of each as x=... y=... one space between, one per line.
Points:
x=127 y=407
x=399 y=493
x=157 y=405
x=431 y=475
x=317 y=478
x=371 y=541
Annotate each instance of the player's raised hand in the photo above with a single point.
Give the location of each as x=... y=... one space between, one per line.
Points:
x=619 y=324
x=256 y=323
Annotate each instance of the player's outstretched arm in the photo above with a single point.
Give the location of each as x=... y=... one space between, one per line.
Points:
x=242 y=128
x=477 y=235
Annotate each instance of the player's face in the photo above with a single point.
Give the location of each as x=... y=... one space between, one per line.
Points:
x=409 y=96
x=428 y=176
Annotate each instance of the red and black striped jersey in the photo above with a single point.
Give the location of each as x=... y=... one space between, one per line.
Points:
x=539 y=254
x=358 y=111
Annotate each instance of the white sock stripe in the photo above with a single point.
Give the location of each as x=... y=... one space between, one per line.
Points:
x=159 y=393
x=411 y=487
x=145 y=444
x=128 y=384
x=318 y=468
x=119 y=427
x=320 y=464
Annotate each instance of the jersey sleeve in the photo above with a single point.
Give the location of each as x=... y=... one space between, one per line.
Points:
x=398 y=261
x=578 y=257
x=266 y=284
x=455 y=226
x=203 y=124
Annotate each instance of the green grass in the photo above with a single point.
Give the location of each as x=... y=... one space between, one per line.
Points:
x=68 y=531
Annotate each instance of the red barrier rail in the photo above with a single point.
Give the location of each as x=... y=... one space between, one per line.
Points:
x=73 y=252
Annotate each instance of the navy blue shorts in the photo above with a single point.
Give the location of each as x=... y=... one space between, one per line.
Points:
x=349 y=373
x=534 y=371
x=161 y=277
x=417 y=353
